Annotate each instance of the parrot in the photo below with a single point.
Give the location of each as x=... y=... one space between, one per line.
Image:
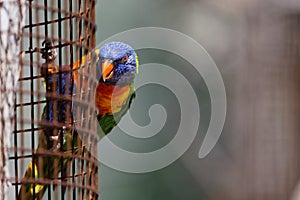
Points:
x=58 y=112
x=116 y=67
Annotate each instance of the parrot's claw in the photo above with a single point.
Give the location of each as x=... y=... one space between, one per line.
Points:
x=56 y=139
x=48 y=52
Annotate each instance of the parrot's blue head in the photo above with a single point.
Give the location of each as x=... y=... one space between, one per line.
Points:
x=117 y=64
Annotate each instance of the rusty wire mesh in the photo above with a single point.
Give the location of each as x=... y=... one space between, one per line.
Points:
x=65 y=146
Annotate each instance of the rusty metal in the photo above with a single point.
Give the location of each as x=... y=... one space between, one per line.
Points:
x=70 y=25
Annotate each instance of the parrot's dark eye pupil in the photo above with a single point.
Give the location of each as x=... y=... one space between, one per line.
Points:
x=123 y=60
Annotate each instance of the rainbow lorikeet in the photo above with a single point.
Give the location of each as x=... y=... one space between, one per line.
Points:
x=56 y=122
x=117 y=65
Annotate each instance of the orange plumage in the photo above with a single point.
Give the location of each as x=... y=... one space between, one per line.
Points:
x=110 y=98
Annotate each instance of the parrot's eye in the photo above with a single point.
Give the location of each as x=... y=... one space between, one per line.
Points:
x=123 y=60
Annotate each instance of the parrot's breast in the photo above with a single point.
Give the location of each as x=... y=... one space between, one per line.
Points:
x=111 y=98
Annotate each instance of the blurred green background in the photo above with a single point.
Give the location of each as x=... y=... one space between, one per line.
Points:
x=189 y=177
x=255 y=45
x=175 y=181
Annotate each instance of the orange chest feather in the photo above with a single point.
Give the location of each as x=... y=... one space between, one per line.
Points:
x=110 y=99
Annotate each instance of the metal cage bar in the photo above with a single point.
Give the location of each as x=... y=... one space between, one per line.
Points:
x=70 y=26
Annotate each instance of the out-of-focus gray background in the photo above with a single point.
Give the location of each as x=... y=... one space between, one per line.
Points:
x=256 y=46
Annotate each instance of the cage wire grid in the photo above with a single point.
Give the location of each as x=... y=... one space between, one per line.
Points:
x=62 y=150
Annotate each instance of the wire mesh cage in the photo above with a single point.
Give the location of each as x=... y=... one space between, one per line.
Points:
x=54 y=153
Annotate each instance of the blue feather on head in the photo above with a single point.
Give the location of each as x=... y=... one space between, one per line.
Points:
x=115 y=50
x=123 y=70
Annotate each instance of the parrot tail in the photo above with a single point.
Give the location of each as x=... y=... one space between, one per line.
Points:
x=28 y=189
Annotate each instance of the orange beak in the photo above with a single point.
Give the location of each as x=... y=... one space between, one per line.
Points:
x=107 y=70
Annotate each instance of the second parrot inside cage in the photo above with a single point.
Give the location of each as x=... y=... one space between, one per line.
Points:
x=55 y=134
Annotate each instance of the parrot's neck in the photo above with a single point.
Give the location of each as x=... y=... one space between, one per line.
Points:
x=111 y=98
